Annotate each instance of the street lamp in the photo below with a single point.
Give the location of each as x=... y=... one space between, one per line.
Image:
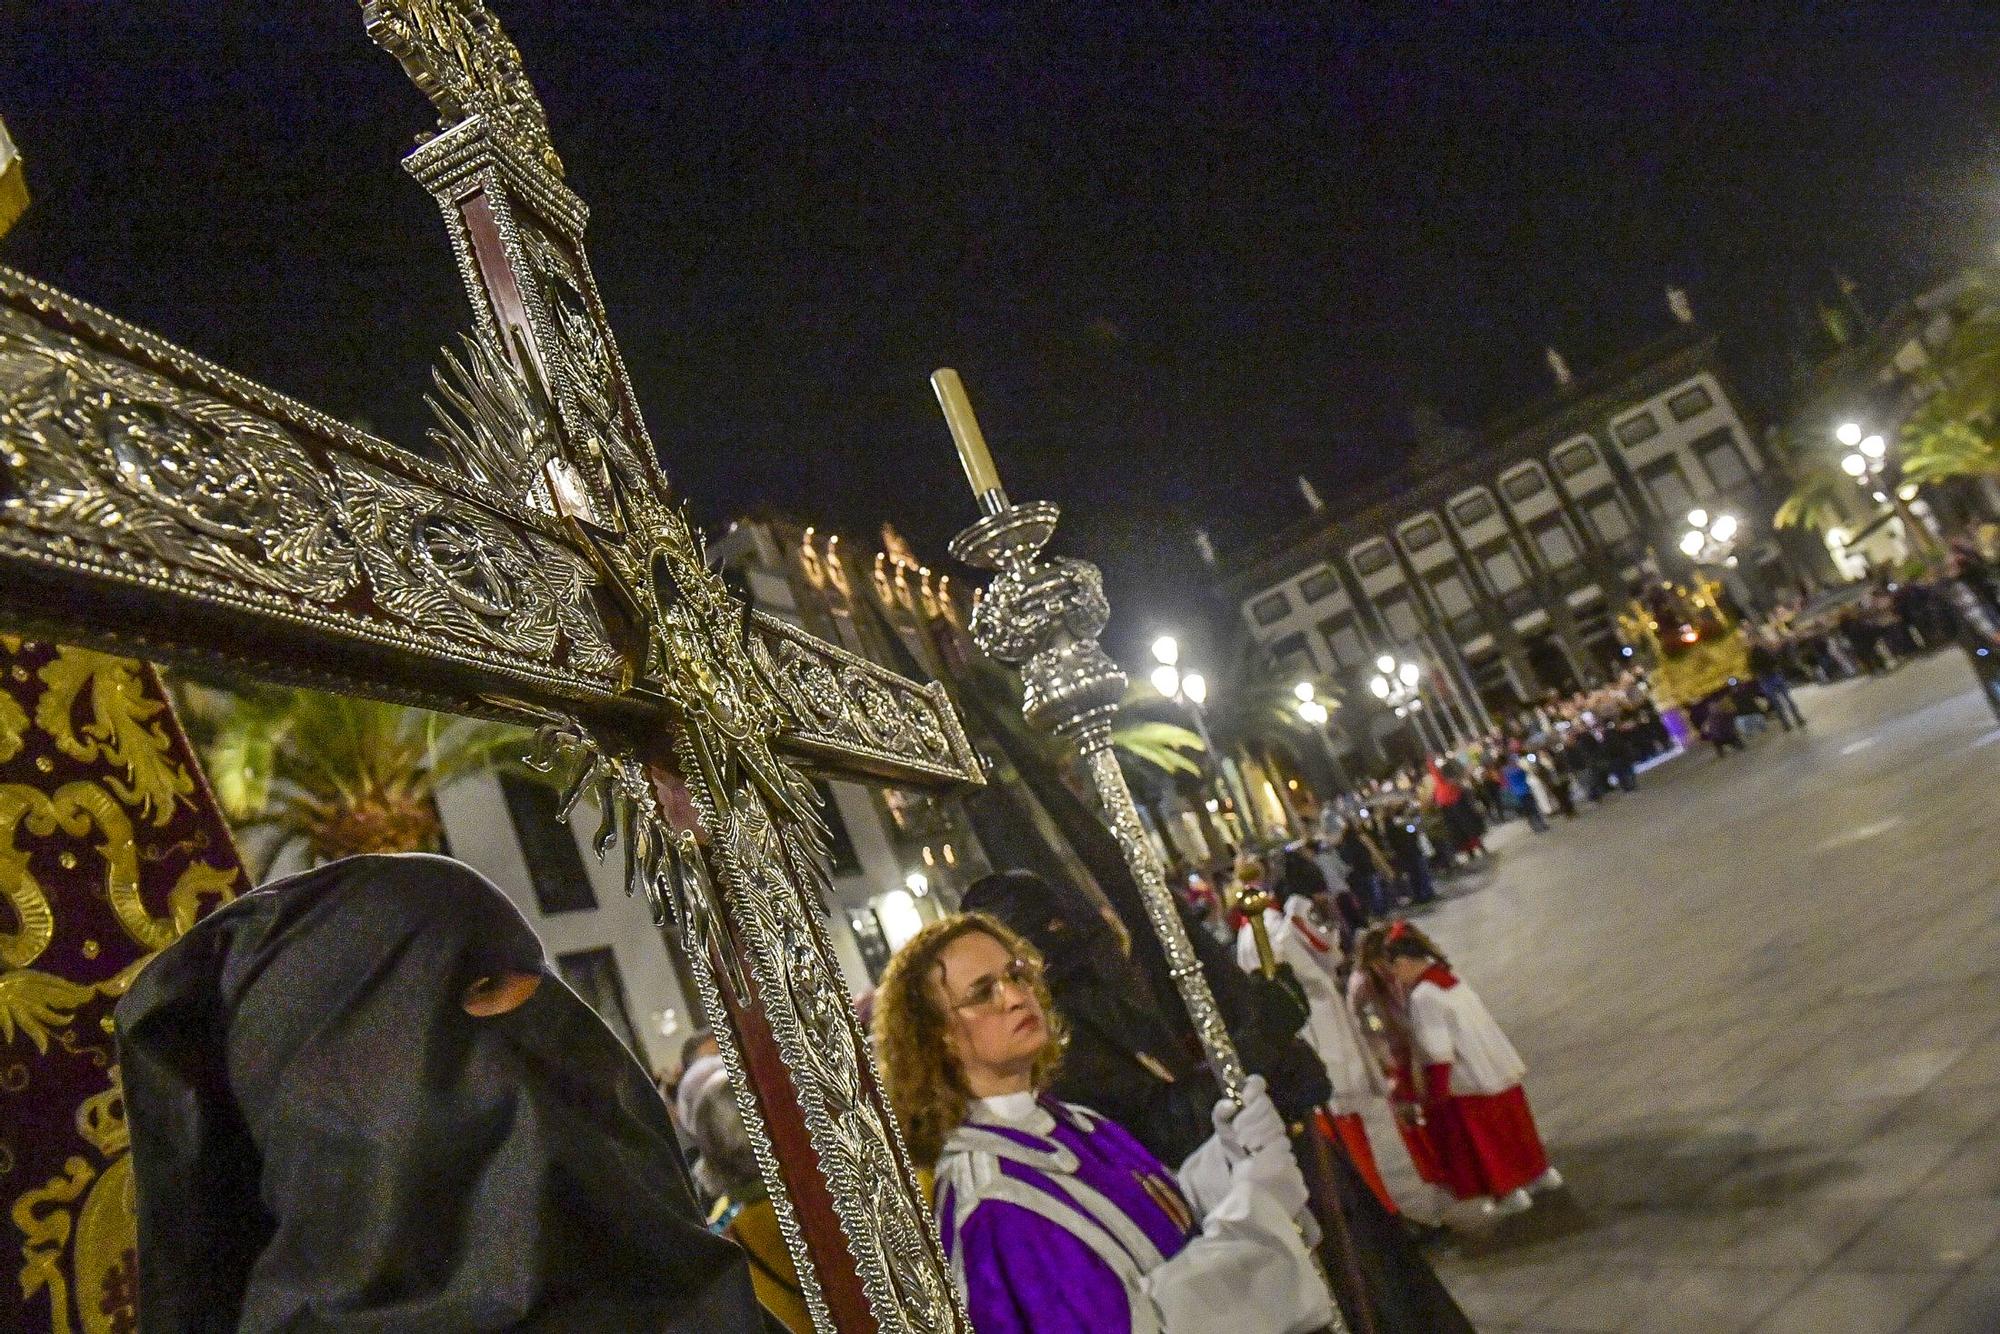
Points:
x=1880 y=475
x=1396 y=685
x=1710 y=538
x=1190 y=689
x=1315 y=714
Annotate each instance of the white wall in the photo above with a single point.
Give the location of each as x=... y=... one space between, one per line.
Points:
x=482 y=836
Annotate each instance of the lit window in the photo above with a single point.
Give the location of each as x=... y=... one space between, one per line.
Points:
x=1319 y=586
x=1670 y=488
x=1521 y=485
x=1452 y=596
x=1503 y=571
x=1552 y=539
x=1690 y=402
x=1607 y=516
x=1373 y=559
x=1637 y=430
x=1421 y=534
x=1473 y=509
x=1575 y=457
x=1271 y=608
x=1721 y=458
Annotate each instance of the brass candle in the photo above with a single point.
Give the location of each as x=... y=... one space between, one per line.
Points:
x=965 y=433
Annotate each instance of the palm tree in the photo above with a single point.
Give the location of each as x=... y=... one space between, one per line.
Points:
x=1254 y=712
x=1821 y=496
x=335 y=774
x=1953 y=432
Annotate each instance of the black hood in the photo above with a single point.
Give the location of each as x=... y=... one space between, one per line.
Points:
x=323 y=1138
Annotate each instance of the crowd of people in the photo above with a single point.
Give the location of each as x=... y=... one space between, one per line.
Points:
x=1086 y=1170
x=1385 y=845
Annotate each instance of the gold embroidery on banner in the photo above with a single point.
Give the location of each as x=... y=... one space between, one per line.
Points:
x=13 y=727
x=101 y=1229
x=122 y=731
x=47 y=1239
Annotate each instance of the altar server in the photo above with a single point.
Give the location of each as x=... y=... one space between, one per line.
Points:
x=1475 y=1112
x=1309 y=955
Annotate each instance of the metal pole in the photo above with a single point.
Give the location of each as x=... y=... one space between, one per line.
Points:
x=1340 y=777
x=1228 y=781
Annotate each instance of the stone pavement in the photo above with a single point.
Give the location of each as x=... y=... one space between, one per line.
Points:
x=1760 y=1006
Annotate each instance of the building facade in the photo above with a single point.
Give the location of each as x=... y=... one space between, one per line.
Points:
x=1498 y=561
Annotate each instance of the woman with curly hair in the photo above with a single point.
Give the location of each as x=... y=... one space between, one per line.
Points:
x=1467 y=1080
x=1054 y=1218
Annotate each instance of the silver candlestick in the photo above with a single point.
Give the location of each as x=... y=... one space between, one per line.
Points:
x=1044 y=615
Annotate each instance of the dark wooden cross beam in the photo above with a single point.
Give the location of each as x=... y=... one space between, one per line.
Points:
x=158 y=505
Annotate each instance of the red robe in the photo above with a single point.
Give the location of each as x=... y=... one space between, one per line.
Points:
x=1485 y=1144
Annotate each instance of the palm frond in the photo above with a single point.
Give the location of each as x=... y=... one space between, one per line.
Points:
x=1165 y=746
x=1935 y=450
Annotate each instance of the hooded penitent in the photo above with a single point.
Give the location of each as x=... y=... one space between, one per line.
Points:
x=325 y=1138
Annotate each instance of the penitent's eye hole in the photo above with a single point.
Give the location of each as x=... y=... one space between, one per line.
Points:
x=499 y=994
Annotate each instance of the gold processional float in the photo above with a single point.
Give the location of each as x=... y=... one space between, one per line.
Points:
x=1690 y=639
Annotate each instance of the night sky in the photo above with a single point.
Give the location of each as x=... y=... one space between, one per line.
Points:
x=1177 y=260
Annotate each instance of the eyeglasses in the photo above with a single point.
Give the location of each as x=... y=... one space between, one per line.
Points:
x=1020 y=974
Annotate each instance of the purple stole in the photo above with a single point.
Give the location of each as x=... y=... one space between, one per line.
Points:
x=1053 y=1228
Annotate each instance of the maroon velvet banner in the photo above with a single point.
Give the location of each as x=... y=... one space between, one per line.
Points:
x=110 y=847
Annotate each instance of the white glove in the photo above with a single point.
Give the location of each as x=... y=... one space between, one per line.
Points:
x=1273 y=1172
x=1252 y=1127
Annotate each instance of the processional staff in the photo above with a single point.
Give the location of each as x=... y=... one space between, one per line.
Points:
x=1044 y=614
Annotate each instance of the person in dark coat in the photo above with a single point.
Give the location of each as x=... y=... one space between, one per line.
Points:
x=1368 y=870
x=361 y=1098
x=1976 y=625
x=1402 y=839
x=1769 y=670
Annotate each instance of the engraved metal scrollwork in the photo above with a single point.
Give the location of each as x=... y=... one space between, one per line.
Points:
x=124 y=463
x=837 y=702
x=450 y=566
x=456 y=54
x=107 y=455
x=768 y=846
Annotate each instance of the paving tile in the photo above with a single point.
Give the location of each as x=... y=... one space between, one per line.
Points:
x=1500 y=1299
x=1969 y=1306
x=1615 y=1298
x=1673 y=1238
x=1973 y=1170
x=1927 y=1233
x=1949 y=1113
x=1838 y=1302
x=1977 y=1068
x=1772 y=1099
x=1806 y=1233
x=1718 y=1301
